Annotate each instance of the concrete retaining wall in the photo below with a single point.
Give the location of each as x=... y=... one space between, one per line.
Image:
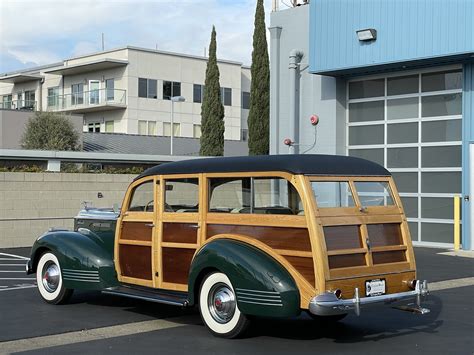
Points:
x=31 y=203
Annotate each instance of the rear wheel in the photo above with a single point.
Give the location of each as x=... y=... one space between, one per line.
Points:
x=218 y=307
x=49 y=280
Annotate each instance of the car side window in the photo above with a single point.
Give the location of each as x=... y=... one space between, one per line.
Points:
x=142 y=199
x=182 y=195
x=254 y=196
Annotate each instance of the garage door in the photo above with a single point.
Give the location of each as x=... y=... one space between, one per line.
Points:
x=411 y=124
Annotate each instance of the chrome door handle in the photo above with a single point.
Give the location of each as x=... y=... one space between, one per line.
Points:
x=151 y=225
x=195 y=226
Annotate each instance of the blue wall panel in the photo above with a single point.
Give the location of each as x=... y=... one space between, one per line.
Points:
x=407 y=30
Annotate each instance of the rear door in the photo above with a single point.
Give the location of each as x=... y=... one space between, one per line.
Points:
x=136 y=226
x=364 y=227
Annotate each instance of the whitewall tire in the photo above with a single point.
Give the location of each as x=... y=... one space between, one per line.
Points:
x=49 y=280
x=218 y=307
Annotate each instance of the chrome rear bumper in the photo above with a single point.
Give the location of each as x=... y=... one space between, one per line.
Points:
x=328 y=304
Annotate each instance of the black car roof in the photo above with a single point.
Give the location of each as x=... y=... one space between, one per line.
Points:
x=296 y=164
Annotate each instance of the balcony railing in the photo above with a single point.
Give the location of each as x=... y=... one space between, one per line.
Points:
x=27 y=105
x=88 y=100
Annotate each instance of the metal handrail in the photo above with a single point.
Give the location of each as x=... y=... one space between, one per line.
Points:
x=28 y=105
x=87 y=99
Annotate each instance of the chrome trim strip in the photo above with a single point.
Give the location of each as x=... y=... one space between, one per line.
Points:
x=257 y=295
x=257 y=291
x=263 y=304
x=84 y=280
x=259 y=299
x=80 y=271
x=81 y=276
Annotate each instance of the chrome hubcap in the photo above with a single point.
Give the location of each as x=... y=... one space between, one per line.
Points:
x=50 y=277
x=221 y=303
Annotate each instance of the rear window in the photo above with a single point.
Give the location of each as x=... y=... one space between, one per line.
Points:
x=374 y=193
x=332 y=194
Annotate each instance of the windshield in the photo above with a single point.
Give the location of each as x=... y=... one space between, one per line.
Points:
x=331 y=194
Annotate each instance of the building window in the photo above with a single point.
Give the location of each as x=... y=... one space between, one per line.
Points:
x=197 y=131
x=93 y=127
x=167 y=129
x=198 y=93
x=171 y=89
x=226 y=96
x=147 y=128
x=30 y=102
x=245 y=134
x=245 y=100
x=414 y=131
x=7 y=102
x=109 y=89
x=53 y=96
x=109 y=126
x=77 y=94
x=147 y=88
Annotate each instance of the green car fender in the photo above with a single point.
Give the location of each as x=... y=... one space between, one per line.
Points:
x=86 y=261
x=262 y=285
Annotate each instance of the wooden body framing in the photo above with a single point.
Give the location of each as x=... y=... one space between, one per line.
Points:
x=299 y=261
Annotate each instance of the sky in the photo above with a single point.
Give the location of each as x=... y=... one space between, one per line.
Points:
x=38 y=32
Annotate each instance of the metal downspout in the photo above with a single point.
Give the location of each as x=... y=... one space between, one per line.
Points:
x=294 y=66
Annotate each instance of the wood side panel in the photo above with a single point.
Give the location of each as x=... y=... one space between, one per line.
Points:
x=176 y=263
x=359 y=271
x=136 y=231
x=349 y=260
x=276 y=237
x=342 y=237
x=304 y=266
x=135 y=261
x=385 y=257
x=385 y=234
x=180 y=233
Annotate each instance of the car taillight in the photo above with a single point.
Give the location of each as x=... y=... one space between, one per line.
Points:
x=412 y=284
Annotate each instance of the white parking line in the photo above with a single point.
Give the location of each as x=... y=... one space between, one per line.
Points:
x=22 y=265
x=23 y=271
x=16 y=288
x=11 y=259
x=82 y=336
x=15 y=256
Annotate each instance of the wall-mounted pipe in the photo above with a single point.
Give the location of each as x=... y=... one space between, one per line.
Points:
x=294 y=66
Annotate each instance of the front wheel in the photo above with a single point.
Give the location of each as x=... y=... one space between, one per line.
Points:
x=49 y=280
x=218 y=307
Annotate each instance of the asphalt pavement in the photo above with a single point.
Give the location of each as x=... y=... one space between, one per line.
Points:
x=93 y=323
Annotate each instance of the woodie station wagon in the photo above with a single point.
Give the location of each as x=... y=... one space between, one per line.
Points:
x=242 y=237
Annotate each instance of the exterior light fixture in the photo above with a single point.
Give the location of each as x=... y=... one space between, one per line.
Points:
x=369 y=34
x=288 y=142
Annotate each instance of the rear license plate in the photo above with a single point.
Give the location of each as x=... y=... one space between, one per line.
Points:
x=375 y=287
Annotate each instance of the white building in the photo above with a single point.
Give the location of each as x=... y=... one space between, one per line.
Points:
x=128 y=90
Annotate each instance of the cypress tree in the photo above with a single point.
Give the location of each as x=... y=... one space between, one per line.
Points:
x=259 y=114
x=212 y=110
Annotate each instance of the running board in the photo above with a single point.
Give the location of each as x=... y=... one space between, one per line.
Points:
x=158 y=296
x=416 y=309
